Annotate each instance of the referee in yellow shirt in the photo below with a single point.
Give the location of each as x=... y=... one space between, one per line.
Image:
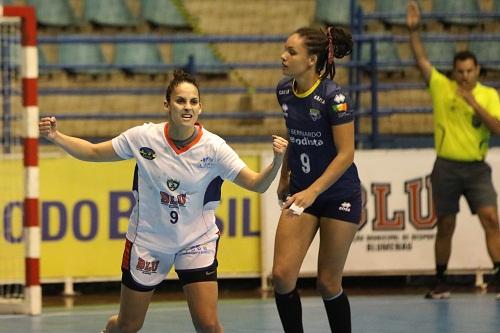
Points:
x=466 y=113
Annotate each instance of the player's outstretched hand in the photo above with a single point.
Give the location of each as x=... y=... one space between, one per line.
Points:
x=279 y=147
x=48 y=127
x=412 y=15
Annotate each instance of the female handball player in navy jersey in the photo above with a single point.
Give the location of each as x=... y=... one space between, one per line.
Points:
x=319 y=183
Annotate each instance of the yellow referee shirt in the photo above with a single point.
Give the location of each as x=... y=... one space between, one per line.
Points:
x=458 y=132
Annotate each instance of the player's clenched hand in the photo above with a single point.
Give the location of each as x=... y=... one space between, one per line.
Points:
x=279 y=147
x=48 y=127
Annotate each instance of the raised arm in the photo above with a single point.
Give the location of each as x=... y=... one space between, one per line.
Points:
x=260 y=181
x=78 y=148
x=413 y=22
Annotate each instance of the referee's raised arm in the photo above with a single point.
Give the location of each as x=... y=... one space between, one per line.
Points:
x=413 y=22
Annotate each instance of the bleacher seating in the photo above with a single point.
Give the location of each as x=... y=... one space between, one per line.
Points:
x=441 y=54
x=54 y=13
x=227 y=17
x=486 y=51
x=496 y=6
x=109 y=13
x=452 y=9
x=128 y=55
x=14 y=52
x=163 y=13
x=392 y=7
x=203 y=55
x=333 y=12
x=387 y=57
x=42 y=61
x=71 y=55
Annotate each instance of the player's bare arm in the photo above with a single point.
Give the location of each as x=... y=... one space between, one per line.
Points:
x=413 y=20
x=260 y=181
x=284 y=182
x=78 y=148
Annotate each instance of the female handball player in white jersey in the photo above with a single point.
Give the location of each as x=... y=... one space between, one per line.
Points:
x=179 y=173
x=319 y=182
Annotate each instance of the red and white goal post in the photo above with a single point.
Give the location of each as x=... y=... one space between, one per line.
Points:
x=20 y=290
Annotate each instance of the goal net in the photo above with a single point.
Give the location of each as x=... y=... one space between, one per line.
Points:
x=20 y=290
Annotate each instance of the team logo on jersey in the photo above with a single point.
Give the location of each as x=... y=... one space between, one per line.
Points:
x=171 y=201
x=206 y=163
x=147 y=267
x=340 y=107
x=197 y=249
x=147 y=153
x=284 y=107
x=315 y=114
x=345 y=206
x=173 y=184
x=339 y=98
x=476 y=121
x=319 y=99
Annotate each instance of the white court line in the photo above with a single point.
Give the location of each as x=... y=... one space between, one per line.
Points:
x=157 y=308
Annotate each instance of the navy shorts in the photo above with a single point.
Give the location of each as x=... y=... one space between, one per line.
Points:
x=346 y=209
x=452 y=179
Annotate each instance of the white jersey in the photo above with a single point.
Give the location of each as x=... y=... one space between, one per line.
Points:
x=178 y=189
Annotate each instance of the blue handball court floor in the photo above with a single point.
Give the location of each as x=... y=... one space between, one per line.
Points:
x=467 y=312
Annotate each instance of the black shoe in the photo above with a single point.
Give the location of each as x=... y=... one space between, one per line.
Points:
x=494 y=287
x=440 y=291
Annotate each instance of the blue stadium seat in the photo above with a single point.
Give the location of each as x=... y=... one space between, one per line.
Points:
x=72 y=55
x=42 y=60
x=393 y=7
x=163 y=13
x=110 y=13
x=388 y=58
x=333 y=12
x=452 y=9
x=56 y=13
x=496 y=6
x=203 y=56
x=130 y=55
x=486 y=51
x=14 y=54
x=441 y=54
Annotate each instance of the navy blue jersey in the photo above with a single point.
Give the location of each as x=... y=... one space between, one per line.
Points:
x=309 y=119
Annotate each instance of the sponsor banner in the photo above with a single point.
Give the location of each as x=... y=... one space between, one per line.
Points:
x=84 y=210
x=399 y=224
x=11 y=215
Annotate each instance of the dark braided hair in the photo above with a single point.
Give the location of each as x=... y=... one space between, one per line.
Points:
x=179 y=77
x=326 y=45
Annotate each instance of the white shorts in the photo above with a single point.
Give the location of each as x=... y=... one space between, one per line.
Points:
x=144 y=269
